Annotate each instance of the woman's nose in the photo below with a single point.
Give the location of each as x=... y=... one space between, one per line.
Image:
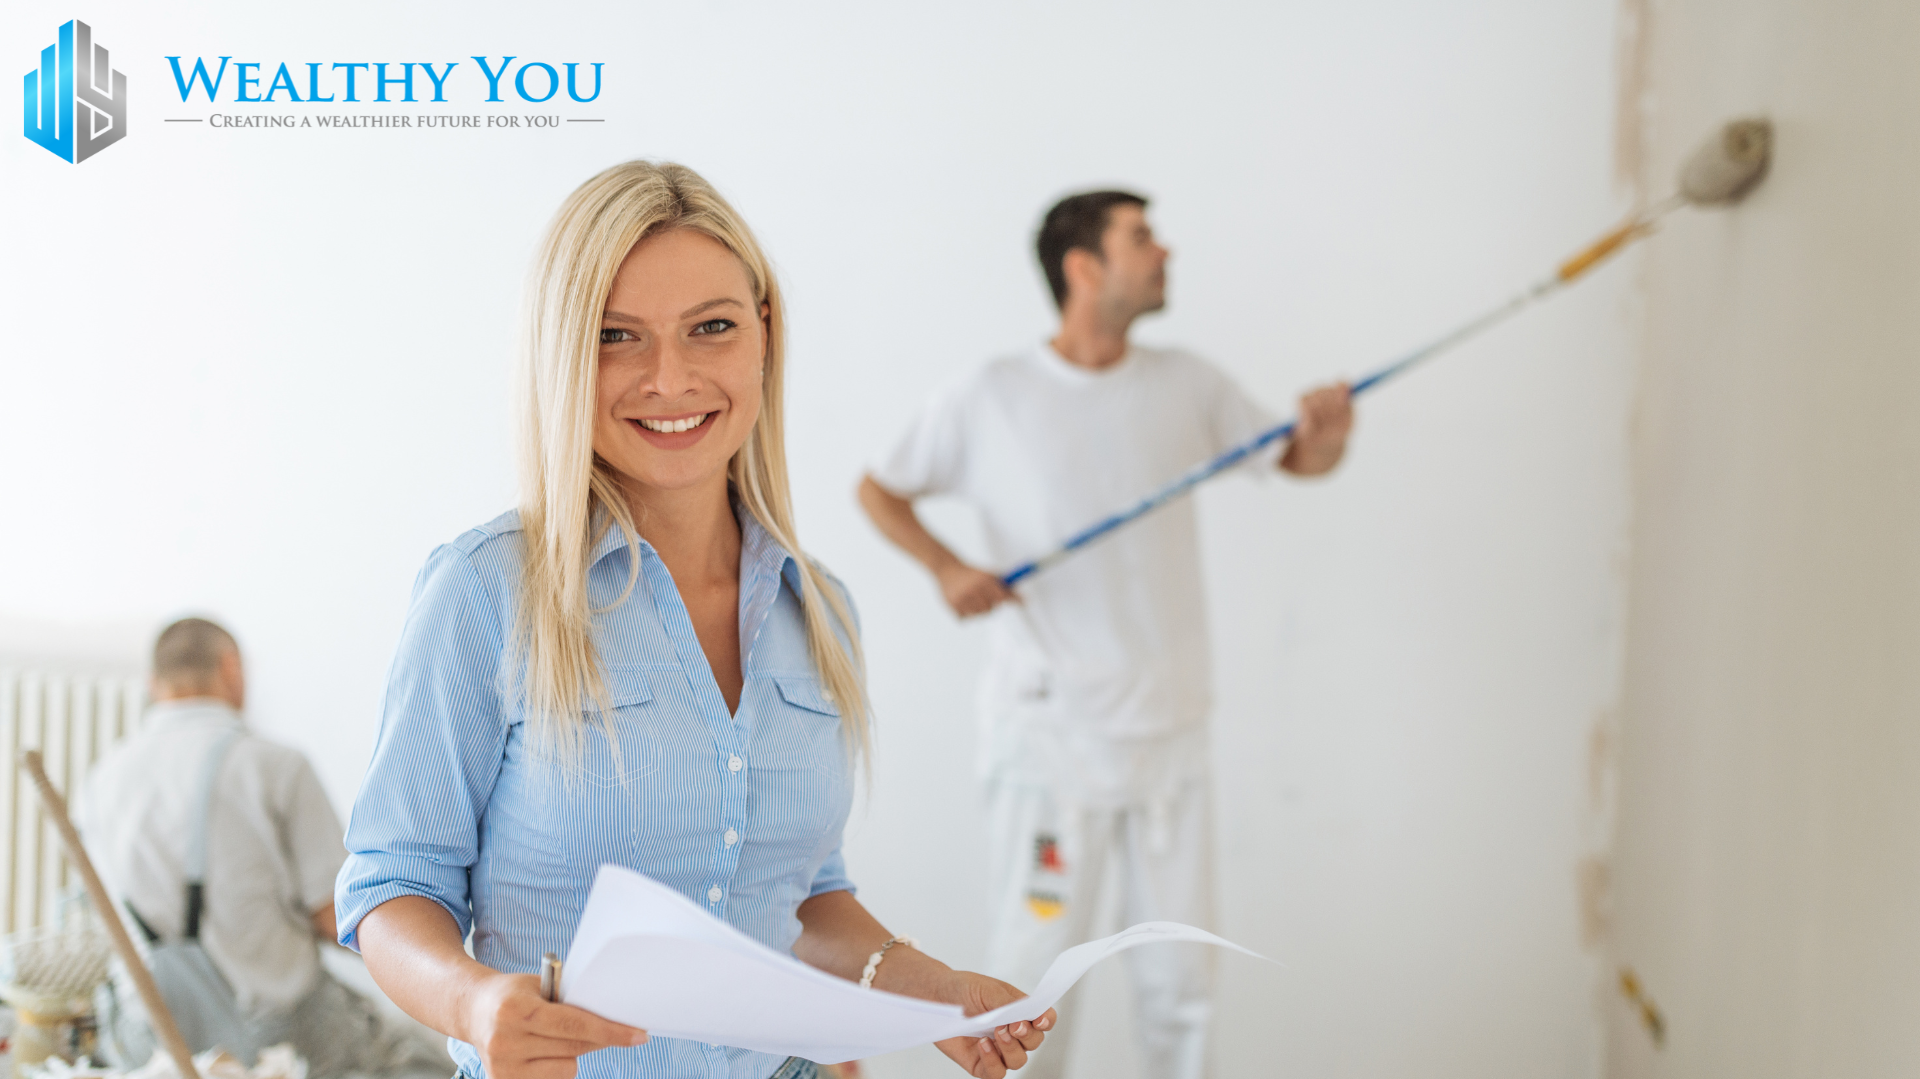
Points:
x=672 y=375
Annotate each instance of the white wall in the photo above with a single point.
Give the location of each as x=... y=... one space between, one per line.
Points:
x=262 y=373
x=1769 y=844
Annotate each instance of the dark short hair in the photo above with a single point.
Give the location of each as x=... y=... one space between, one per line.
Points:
x=187 y=653
x=1076 y=221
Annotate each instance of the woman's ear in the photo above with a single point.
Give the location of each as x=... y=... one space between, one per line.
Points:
x=766 y=332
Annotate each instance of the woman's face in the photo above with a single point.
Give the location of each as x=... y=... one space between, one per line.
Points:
x=682 y=347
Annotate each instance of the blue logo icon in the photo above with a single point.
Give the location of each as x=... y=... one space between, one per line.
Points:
x=76 y=104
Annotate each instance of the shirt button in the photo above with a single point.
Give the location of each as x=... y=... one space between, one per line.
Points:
x=732 y=837
x=713 y=894
x=734 y=764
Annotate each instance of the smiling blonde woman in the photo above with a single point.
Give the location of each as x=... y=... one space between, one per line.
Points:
x=638 y=666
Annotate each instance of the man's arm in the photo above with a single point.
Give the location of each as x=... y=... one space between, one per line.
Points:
x=1320 y=438
x=967 y=590
x=326 y=926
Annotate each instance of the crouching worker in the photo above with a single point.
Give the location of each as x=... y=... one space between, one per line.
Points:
x=220 y=849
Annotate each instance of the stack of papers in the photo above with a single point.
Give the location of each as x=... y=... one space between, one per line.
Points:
x=647 y=956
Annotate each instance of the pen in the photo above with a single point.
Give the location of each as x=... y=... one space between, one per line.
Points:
x=550 y=977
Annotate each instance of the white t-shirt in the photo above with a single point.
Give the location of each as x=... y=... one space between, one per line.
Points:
x=1099 y=683
x=274 y=845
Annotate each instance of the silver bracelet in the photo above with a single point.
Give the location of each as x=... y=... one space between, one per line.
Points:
x=873 y=961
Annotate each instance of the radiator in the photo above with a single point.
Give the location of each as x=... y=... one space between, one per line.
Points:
x=73 y=720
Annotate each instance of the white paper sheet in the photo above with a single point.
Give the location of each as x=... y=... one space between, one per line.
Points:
x=647 y=956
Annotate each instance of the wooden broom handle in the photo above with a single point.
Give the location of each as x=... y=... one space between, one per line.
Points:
x=158 y=1014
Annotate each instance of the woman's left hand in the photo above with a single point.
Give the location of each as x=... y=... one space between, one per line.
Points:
x=837 y=934
x=1004 y=1050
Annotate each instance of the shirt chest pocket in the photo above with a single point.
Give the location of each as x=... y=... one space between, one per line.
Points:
x=635 y=750
x=801 y=728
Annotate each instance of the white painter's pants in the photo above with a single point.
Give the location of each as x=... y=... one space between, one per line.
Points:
x=1050 y=861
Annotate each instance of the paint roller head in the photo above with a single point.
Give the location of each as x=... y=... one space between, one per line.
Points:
x=1731 y=164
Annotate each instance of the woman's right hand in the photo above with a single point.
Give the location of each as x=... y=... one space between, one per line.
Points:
x=520 y=1035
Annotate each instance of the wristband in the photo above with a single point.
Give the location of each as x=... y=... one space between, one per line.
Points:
x=873 y=961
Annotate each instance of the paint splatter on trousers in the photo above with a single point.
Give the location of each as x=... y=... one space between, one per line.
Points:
x=1052 y=860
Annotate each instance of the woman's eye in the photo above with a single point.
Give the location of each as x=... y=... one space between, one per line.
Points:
x=614 y=337
x=714 y=325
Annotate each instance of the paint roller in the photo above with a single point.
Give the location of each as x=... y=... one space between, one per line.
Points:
x=1720 y=173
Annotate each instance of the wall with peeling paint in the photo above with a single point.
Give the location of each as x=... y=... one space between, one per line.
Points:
x=1767 y=869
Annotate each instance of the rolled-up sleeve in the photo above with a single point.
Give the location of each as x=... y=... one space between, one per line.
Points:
x=831 y=876
x=415 y=827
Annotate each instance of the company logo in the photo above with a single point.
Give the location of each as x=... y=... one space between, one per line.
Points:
x=76 y=104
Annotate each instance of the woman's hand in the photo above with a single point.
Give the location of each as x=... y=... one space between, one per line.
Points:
x=520 y=1035
x=1007 y=1047
x=838 y=935
x=412 y=947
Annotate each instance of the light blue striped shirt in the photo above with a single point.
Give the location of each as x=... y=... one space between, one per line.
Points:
x=741 y=813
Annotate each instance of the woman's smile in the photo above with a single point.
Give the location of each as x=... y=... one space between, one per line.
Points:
x=673 y=432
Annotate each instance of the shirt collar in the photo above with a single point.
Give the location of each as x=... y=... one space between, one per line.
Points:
x=191 y=709
x=760 y=553
x=763 y=565
x=611 y=539
x=1060 y=367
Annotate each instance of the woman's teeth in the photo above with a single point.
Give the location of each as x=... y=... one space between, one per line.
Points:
x=674 y=427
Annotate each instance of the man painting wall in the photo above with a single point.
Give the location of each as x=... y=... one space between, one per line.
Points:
x=1097 y=692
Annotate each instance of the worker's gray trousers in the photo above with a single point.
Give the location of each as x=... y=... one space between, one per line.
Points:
x=335 y=1029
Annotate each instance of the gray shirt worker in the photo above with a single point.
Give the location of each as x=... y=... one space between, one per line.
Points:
x=221 y=848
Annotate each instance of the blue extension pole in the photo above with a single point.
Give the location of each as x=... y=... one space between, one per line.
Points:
x=1568 y=271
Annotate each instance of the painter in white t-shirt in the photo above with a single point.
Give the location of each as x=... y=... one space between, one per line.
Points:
x=1100 y=681
x=1098 y=686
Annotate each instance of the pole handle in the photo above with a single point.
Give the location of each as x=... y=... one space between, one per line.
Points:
x=158 y=1014
x=1591 y=256
x=1598 y=251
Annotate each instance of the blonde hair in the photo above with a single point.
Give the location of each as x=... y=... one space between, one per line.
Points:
x=569 y=496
